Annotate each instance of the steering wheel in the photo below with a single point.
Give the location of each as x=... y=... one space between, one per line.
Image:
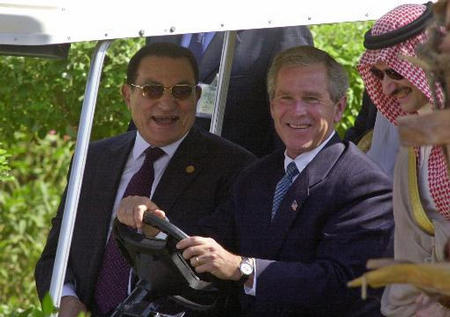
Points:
x=165 y=226
x=162 y=266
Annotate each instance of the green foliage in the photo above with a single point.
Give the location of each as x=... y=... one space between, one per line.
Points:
x=344 y=42
x=40 y=95
x=47 y=309
x=4 y=167
x=27 y=203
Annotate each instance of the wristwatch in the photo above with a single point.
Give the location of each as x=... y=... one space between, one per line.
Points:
x=246 y=267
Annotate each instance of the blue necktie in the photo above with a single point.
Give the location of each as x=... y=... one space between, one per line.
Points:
x=196 y=46
x=283 y=186
x=112 y=281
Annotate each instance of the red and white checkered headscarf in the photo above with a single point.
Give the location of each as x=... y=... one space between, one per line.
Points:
x=438 y=180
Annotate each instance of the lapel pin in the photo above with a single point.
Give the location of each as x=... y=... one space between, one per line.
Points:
x=190 y=169
x=294 y=205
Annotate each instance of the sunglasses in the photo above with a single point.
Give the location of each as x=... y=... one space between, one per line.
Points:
x=155 y=91
x=392 y=74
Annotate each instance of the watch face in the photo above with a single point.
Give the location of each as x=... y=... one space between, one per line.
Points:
x=246 y=268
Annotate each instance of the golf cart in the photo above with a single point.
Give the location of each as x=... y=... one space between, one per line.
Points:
x=46 y=29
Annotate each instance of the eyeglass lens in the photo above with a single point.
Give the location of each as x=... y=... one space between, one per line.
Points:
x=156 y=91
x=392 y=74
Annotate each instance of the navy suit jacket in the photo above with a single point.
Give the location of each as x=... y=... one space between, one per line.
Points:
x=186 y=198
x=336 y=215
x=247 y=120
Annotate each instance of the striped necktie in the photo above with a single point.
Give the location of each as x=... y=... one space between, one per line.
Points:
x=283 y=186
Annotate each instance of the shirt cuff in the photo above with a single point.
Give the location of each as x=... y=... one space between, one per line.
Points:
x=69 y=290
x=252 y=290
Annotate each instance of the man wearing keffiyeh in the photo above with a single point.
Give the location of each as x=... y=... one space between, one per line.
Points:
x=421 y=184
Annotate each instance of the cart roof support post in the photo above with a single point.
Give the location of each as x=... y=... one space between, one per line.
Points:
x=226 y=61
x=76 y=174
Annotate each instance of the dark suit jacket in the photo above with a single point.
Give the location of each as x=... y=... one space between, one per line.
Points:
x=336 y=215
x=186 y=198
x=247 y=120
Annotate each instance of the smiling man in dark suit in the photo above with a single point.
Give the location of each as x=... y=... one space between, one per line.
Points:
x=185 y=170
x=247 y=118
x=306 y=218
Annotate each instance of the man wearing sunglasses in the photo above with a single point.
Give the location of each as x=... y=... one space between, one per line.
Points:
x=305 y=218
x=421 y=185
x=184 y=170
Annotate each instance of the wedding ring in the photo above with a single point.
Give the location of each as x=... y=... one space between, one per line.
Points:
x=197 y=260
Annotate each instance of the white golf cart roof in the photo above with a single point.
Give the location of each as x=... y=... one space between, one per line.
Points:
x=42 y=22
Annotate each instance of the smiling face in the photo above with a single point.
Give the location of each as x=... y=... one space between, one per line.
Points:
x=164 y=120
x=410 y=98
x=304 y=114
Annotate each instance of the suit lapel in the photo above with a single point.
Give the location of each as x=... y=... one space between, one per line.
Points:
x=102 y=171
x=111 y=172
x=183 y=168
x=293 y=204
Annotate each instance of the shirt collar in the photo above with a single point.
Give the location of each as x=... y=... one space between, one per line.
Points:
x=140 y=145
x=303 y=159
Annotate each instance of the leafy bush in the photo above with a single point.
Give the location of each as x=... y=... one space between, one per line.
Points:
x=4 y=167
x=45 y=310
x=344 y=42
x=48 y=94
x=27 y=204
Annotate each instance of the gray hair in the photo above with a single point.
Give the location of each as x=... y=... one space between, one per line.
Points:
x=306 y=56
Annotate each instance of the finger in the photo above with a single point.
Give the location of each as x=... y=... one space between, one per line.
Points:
x=138 y=215
x=123 y=213
x=357 y=282
x=397 y=273
x=183 y=244
x=158 y=212
x=194 y=251
x=203 y=268
x=374 y=279
x=188 y=242
x=195 y=261
x=150 y=204
x=126 y=210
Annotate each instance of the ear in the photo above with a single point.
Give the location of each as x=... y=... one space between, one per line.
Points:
x=126 y=94
x=340 y=108
x=198 y=93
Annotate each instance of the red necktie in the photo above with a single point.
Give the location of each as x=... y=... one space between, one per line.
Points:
x=112 y=281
